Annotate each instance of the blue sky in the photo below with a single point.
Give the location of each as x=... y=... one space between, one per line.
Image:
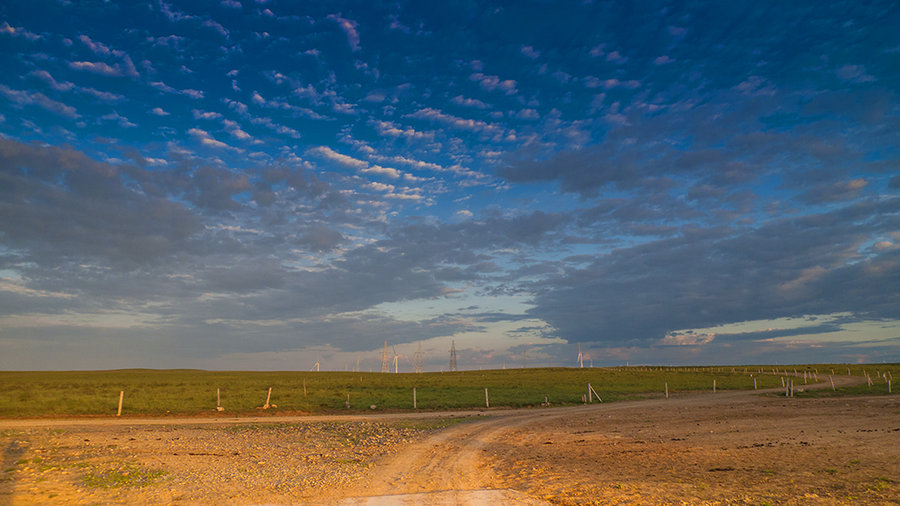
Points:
x=247 y=184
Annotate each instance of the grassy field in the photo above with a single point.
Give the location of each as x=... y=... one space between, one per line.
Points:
x=193 y=392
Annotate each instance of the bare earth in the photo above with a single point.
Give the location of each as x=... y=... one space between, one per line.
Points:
x=723 y=448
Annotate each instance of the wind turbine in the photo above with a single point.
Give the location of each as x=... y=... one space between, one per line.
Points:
x=316 y=367
x=580 y=357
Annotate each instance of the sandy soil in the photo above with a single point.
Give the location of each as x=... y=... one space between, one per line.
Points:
x=723 y=448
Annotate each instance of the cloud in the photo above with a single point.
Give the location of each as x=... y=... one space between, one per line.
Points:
x=45 y=192
x=235 y=130
x=97 y=68
x=438 y=116
x=120 y=120
x=390 y=129
x=18 y=32
x=207 y=140
x=662 y=60
x=207 y=115
x=330 y=154
x=45 y=76
x=530 y=52
x=707 y=277
x=349 y=28
x=22 y=98
x=209 y=23
x=382 y=171
x=491 y=83
x=195 y=94
x=469 y=102
x=854 y=74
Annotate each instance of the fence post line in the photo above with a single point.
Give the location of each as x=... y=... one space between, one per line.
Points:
x=121 y=397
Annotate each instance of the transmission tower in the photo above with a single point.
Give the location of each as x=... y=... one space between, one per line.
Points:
x=419 y=359
x=453 y=355
x=385 y=361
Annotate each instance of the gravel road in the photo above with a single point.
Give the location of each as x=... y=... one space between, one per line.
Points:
x=724 y=448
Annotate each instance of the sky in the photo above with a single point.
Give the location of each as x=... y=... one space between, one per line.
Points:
x=268 y=184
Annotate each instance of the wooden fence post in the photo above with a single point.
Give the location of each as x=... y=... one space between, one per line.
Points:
x=594 y=392
x=714 y=386
x=667 y=390
x=487 y=402
x=121 y=397
x=414 y=398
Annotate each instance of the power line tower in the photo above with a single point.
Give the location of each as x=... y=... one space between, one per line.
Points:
x=419 y=359
x=453 y=355
x=385 y=361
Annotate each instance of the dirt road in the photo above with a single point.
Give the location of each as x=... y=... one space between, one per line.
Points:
x=723 y=448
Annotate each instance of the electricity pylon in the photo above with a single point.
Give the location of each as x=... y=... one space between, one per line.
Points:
x=419 y=359
x=385 y=361
x=452 y=355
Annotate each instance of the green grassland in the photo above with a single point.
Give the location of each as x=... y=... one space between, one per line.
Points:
x=193 y=392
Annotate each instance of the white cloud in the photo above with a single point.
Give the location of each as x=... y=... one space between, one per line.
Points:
x=195 y=94
x=382 y=171
x=281 y=129
x=45 y=76
x=530 y=52
x=122 y=121
x=527 y=114
x=96 y=67
x=492 y=83
x=208 y=140
x=616 y=57
x=469 y=102
x=380 y=187
x=158 y=111
x=97 y=47
x=18 y=32
x=349 y=28
x=615 y=83
x=330 y=154
x=662 y=60
x=23 y=98
x=198 y=114
x=235 y=130
x=464 y=213
x=854 y=74
x=392 y=130
x=455 y=121
x=102 y=95
x=215 y=26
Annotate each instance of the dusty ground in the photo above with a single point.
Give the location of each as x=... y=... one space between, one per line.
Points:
x=723 y=448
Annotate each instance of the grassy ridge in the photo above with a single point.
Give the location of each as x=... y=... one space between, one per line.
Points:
x=156 y=392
